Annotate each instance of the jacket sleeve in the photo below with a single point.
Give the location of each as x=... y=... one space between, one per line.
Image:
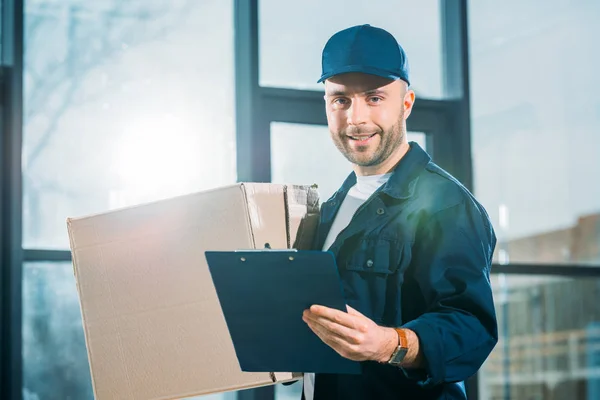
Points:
x=452 y=259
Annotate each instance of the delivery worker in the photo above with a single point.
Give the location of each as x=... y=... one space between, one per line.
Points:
x=413 y=246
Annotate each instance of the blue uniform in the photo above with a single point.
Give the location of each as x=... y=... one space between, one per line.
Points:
x=417 y=255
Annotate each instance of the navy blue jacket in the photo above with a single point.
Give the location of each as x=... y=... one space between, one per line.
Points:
x=417 y=255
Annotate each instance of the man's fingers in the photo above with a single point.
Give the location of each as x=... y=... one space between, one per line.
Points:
x=331 y=338
x=337 y=343
x=347 y=334
x=323 y=333
x=352 y=311
x=337 y=316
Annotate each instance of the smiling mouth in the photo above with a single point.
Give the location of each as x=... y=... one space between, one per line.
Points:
x=363 y=139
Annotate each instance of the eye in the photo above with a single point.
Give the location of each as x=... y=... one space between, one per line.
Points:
x=340 y=101
x=375 y=99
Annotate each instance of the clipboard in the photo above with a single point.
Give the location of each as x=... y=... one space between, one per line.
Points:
x=263 y=294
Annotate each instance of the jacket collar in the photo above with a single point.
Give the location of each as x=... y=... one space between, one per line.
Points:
x=404 y=176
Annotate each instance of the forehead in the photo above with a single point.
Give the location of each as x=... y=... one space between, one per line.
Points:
x=357 y=83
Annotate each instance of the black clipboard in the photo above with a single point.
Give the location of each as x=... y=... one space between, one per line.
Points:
x=263 y=294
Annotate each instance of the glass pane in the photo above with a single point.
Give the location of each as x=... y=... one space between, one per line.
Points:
x=298 y=155
x=418 y=137
x=55 y=362
x=536 y=118
x=290 y=392
x=305 y=154
x=293 y=34
x=125 y=102
x=549 y=345
x=216 y=396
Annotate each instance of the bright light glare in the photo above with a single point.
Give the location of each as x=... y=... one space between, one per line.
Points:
x=158 y=157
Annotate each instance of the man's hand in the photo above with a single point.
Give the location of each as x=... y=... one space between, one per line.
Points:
x=351 y=334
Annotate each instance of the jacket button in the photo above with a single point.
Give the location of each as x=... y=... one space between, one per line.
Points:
x=380 y=211
x=369 y=263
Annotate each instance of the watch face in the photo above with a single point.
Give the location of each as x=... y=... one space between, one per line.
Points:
x=399 y=355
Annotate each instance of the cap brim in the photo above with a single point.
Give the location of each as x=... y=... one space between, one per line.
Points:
x=365 y=70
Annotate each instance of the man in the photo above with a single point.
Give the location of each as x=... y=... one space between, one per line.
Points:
x=413 y=246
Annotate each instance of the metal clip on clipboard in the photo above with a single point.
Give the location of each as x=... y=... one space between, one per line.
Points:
x=267 y=247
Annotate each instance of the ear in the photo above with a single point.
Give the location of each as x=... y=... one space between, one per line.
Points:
x=409 y=101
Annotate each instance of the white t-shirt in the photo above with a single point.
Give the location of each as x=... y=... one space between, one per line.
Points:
x=357 y=195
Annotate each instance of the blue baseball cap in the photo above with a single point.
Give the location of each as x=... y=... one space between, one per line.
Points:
x=366 y=49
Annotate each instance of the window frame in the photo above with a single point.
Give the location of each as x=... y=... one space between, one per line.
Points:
x=11 y=252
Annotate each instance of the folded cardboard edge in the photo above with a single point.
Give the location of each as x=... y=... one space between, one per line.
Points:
x=287 y=217
x=303 y=207
x=285 y=377
x=255 y=202
x=223 y=389
x=75 y=265
x=157 y=201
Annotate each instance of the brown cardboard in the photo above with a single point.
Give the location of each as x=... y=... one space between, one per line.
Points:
x=303 y=215
x=153 y=325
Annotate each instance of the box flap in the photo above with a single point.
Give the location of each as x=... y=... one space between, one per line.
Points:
x=303 y=215
x=266 y=207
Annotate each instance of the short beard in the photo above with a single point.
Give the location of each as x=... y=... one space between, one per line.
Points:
x=390 y=140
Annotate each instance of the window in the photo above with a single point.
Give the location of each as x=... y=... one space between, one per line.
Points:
x=535 y=123
x=125 y=102
x=292 y=36
x=305 y=154
x=549 y=339
x=55 y=363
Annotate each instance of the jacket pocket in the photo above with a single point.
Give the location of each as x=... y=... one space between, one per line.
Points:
x=371 y=284
x=379 y=256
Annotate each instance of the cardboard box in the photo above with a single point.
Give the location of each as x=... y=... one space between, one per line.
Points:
x=153 y=324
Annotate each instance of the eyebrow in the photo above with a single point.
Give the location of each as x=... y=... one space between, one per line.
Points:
x=367 y=93
x=336 y=93
x=375 y=91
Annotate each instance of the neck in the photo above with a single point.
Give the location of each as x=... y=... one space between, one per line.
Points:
x=387 y=165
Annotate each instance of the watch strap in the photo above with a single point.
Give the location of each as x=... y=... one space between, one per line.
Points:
x=402 y=348
x=402 y=339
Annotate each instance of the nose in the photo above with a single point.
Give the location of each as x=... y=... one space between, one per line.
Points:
x=357 y=113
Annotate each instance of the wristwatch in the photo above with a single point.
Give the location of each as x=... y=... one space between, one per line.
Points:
x=400 y=352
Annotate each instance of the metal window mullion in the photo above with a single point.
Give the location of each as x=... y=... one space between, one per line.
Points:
x=41 y=255
x=11 y=200
x=252 y=128
x=455 y=71
x=575 y=271
x=457 y=135
x=252 y=133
